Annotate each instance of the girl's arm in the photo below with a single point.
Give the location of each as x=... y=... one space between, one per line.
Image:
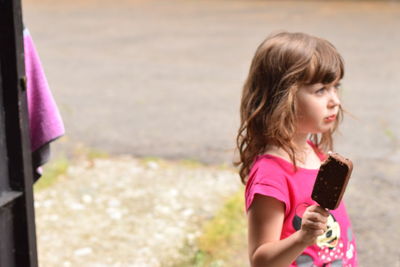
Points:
x=266 y=216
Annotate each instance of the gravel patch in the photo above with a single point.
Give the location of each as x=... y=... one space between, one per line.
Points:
x=127 y=212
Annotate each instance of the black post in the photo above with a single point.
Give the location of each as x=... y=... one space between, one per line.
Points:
x=17 y=220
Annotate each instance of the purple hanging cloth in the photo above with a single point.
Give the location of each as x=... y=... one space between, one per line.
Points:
x=45 y=121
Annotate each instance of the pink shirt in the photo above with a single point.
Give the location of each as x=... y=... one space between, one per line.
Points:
x=274 y=177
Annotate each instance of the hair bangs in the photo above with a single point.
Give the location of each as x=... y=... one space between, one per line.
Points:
x=326 y=65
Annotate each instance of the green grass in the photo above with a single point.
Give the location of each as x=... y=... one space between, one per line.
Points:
x=51 y=173
x=145 y=160
x=390 y=134
x=191 y=163
x=84 y=152
x=55 y=168
x=223 y=237
x=96 y=154
x=186 y=163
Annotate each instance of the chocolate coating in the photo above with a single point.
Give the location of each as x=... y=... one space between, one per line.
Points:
x=331 y=181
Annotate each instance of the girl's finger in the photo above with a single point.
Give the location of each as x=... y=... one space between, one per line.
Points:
x=315 y=225
x=319 y=209
x=316 y=217
x=322 y=211
x=318 y=232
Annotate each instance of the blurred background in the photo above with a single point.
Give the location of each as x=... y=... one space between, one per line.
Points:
x=149 y=93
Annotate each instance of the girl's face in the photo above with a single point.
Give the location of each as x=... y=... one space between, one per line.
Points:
x=318 y=106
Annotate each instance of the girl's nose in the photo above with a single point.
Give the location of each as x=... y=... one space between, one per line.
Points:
x=334 y=98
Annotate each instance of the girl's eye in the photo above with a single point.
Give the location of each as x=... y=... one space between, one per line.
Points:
x=320 y=91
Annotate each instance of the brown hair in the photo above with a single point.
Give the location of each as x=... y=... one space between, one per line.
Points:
x=282 y=63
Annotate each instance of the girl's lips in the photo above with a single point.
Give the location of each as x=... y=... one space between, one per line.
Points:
x=330 y=118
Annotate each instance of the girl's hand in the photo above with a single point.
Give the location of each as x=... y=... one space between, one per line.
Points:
x=313 y=224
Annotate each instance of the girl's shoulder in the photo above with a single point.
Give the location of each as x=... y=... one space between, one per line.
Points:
x=274 y=158
x=269 y=165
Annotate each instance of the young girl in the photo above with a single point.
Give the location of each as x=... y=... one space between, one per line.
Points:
x=289 y=110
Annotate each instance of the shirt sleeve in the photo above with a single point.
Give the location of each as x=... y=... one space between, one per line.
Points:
x=267 y=180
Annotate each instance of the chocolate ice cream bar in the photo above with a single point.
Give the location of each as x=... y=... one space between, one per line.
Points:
x=331 y=182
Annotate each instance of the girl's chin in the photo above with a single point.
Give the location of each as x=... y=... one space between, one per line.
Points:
x=322 y=130
x=318 y=130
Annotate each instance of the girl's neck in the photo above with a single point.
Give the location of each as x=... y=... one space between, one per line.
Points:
x=301 y=142
x=306 y=156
